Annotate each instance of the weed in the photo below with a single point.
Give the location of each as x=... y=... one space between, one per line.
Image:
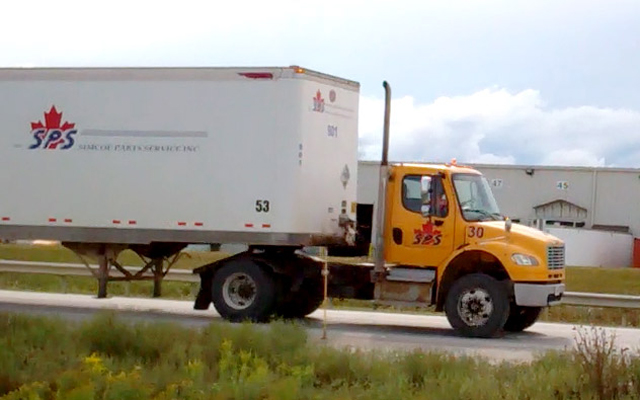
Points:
x=606 y=367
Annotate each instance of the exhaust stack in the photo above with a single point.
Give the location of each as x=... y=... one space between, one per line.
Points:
x=378 y=270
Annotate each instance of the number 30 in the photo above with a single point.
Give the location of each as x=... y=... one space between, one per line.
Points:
x=476 y=231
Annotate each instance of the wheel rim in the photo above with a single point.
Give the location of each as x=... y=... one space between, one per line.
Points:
x=239 y=291
x=475 y=307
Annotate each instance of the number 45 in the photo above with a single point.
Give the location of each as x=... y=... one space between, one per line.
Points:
x=262 y=206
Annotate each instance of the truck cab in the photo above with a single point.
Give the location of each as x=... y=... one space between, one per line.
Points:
x=447 y=244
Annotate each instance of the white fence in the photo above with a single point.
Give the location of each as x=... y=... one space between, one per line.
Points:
x=593 y=248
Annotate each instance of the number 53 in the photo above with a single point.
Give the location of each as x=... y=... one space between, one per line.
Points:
x=262 y=206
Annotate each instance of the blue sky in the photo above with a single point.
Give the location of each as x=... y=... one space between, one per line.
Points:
x=499 y=81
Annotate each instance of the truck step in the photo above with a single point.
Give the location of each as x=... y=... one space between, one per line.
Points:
x=411 y=275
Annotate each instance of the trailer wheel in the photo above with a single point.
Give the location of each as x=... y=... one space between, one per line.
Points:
x=303 y=302
x=477 y=305
x=243 y=290
x=520 y=318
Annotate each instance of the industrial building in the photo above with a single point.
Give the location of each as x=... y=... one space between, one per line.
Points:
x=595 y=210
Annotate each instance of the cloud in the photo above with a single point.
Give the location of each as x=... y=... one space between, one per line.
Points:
x=496 y=126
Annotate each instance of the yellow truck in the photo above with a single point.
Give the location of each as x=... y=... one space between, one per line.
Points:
x=446 y=244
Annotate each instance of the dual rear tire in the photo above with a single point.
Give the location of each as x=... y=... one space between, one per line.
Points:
x=303 y=301
x=245 y=291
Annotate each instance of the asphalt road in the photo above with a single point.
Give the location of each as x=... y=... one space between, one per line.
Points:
x=365 y=330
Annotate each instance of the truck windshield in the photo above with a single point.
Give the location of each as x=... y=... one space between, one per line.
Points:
x=475 y=198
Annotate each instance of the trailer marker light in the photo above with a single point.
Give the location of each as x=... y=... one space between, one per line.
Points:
x=132 y=222
x=52 y=220
x=256 y=75
x=248 y=225
x=182 y=223
x=297 y=70
x=116 y=221
x=198 y=224
x=266 y=225
x=6 y=219
x=68 y=220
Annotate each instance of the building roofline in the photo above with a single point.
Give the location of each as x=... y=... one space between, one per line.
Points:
x=517 y=166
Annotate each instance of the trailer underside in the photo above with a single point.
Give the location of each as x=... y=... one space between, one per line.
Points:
x=120 y=236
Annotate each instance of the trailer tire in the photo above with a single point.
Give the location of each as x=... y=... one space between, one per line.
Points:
x=303 y=302
x=520 y=318
x=477 y=305
x=243 y=291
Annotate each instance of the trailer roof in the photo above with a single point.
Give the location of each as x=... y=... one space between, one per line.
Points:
x=167 y=73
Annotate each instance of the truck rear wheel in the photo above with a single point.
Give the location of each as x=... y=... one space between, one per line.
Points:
x=477 y=305
x=242 y=290
x=520 y=318
x=303 y=302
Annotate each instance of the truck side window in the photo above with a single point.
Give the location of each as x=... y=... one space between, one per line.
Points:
x=412 y=200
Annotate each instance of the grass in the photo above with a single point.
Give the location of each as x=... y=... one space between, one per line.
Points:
x=108 y=358
x=603 y=280
x=579 y=279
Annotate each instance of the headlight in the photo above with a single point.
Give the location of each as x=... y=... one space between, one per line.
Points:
x=523 y=259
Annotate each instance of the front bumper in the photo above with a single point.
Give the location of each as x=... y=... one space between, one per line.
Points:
x=538 y=295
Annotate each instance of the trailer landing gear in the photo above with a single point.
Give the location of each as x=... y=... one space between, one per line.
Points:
x=157 y=259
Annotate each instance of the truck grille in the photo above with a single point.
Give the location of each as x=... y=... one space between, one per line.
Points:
x=555 y=257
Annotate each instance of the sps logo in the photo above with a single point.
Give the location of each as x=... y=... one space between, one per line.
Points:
x=427 y=235
x=51 y=134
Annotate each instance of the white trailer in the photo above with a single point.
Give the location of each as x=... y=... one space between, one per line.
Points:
x=154 y=159
x=182 y=155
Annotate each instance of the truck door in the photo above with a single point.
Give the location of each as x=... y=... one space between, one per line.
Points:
x=411 y=238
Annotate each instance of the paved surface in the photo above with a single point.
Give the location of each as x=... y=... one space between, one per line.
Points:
x=354 y=329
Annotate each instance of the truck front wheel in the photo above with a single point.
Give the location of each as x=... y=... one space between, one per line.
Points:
x=520 y=318
x=242 y=290
x=477 y=305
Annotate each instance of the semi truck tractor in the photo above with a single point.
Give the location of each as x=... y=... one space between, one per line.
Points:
x=154 y=159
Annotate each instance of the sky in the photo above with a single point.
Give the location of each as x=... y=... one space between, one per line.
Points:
x=541 y=82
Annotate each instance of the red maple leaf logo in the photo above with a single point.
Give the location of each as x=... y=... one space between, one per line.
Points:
x=428 y=228
x=318 y=102
x=427 y=235
x=52 y=121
